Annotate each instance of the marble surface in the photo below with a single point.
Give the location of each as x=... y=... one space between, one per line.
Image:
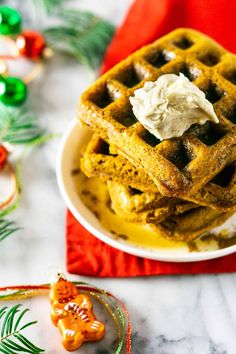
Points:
x=170 y=315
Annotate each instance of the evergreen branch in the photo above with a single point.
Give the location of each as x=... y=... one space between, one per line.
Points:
x=48 y=5
x=11 y=338
x=81 y=35
x=7 y=228
x=44 y=138
x=18 y=126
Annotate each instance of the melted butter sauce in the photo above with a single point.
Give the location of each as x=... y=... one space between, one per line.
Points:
x=94 y=194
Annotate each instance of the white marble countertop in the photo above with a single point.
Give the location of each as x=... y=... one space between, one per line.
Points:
x=170 y=315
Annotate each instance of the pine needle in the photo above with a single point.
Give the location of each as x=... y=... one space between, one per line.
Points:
x=7 y=228
x=82 y=35
x=12 y=340
x=18 y=126
x=48 y=5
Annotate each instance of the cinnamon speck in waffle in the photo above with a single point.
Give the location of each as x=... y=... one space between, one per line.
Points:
x=180 y=166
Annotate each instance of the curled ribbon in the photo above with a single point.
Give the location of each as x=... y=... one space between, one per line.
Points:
x=14 y=189
x=112 y=304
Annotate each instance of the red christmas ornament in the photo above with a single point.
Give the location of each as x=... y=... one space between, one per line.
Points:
x=30 y=44
x=3 y=156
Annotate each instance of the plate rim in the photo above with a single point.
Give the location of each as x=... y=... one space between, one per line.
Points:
x=135 y=250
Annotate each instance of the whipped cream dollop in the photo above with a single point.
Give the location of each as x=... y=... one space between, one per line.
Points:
x=168 y=106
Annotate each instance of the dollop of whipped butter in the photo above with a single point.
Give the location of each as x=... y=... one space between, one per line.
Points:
x=168 y=106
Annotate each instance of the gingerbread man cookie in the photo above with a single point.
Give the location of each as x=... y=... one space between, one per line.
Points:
x=73 y=314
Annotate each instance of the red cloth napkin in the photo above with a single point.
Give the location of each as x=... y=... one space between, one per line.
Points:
x=146 y=21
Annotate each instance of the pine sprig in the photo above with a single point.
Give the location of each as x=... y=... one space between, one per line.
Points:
x=18 y=126
x=49 y=6
x=81 y=34
x=7 y=228
x=12 y=340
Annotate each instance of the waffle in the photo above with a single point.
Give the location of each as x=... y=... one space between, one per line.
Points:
x=144 y=207
x=180 y=166
x=191 y=224
x=103 y=160
x=180 y=222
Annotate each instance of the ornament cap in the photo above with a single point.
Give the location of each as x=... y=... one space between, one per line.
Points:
x=54 y=274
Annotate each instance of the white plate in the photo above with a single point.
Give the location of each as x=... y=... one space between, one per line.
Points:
x=72 y=141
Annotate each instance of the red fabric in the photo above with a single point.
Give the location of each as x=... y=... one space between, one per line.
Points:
x=146 y=21
x=149 y=19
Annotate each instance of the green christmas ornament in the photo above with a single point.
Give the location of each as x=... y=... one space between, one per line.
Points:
x=10 y=21
x=13 y=91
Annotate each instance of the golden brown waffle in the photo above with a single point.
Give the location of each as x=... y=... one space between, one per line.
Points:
x=144 y=207
x=191 y=224
x=99 y=161
x=102 y=160
x=180 y=222
x=180 y=166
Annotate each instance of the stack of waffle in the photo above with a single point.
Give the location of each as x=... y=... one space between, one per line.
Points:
x=182 y=186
